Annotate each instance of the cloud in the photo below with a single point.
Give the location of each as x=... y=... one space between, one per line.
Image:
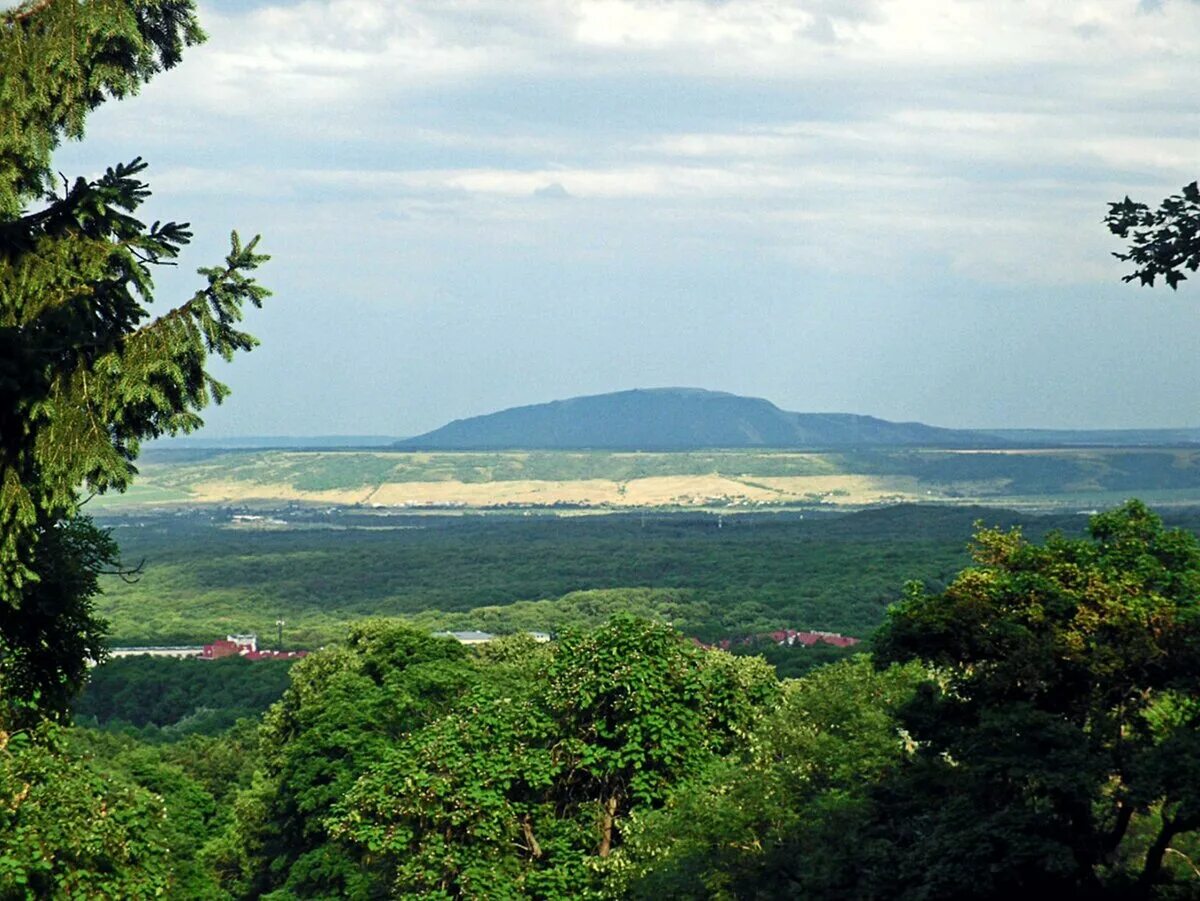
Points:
x=552 y=191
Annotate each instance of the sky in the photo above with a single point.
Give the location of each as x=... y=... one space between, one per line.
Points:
x=890 y=207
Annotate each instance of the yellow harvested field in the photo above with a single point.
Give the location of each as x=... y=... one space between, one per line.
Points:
x=845 y=489
x=687 y=490
x=491 y=494
x=654 y=491
x=223 y=492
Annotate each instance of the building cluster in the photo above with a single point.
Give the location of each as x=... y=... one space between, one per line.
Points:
x=789 y=637
x=473 y=637
x=244 y=646
x=229 y=646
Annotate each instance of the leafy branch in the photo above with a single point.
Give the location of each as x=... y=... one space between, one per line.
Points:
x=1162 y=242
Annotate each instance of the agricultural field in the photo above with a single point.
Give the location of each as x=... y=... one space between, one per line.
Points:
x=1034 y=479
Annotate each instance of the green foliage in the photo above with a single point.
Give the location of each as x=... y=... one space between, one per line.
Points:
x=458 y=808
x=794 y=661
x=194 y=780
x=754 y=574
x=85 y=372
x=180 y=696
x=61 y=61
x=398 y=764
x=46 y=641
x=345 y=706
x=522 y=791
x=636 y=709
x=1062 y=710
x=71 y=830
x=1162 y=242
x=789 y=819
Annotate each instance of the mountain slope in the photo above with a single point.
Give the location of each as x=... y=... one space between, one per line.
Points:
x=679 y=419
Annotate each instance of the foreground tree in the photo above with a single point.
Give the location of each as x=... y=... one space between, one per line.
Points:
x=86 y=372
x=794 y=816
x=1058 y=745
x=46 y=641
x=344 y=709
x=525 y=788
x=70 y=831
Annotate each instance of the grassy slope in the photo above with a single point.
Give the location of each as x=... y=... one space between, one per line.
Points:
x=1070 y=477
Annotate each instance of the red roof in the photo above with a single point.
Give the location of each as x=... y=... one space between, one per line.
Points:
x=785 y=636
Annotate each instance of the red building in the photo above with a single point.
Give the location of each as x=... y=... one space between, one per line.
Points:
x=245 y=646
x=784 y=636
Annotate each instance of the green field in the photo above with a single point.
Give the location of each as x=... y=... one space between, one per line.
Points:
x=138 y=494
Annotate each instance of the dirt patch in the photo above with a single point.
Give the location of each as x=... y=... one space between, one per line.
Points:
x=843 y=489
x=493 y=494
x=227 y=492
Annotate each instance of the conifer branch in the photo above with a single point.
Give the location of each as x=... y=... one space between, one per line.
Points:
x=18 y=15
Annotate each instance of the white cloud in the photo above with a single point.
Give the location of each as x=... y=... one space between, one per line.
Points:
x=966 y=131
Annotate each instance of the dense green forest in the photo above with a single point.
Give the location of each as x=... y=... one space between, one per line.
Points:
x=1031 y=724
x=163 y=698
x=159 y=697
x=711 y=576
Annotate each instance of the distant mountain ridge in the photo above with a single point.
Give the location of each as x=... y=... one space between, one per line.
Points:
x=671 y=419
x=1178 y=437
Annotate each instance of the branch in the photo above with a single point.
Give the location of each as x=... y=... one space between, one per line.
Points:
x=20 y=15
x=535 y=850
x=1162 y=242
x=1158 y=849
x=1113 y=839
x=1195 y=869
x=129 y=576
x=27 y=222
x=606 y=827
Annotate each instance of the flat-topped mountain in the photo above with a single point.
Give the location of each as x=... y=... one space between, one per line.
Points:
x=680 y=419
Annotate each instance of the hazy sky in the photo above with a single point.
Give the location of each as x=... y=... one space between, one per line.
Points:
x=876 y=206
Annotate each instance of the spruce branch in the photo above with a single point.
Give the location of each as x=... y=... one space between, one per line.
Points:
x=26 y=11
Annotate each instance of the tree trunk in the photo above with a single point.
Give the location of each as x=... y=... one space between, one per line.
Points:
x=1113 y=840
x=535 y=850
x=606 y=826
x=1154 y=857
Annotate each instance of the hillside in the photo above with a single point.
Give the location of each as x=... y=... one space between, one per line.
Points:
x=680 y=419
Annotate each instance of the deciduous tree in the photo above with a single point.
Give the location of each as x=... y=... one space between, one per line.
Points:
x=344 y=709
x=790 y=818
x=1061 y=716
x=523 y=789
